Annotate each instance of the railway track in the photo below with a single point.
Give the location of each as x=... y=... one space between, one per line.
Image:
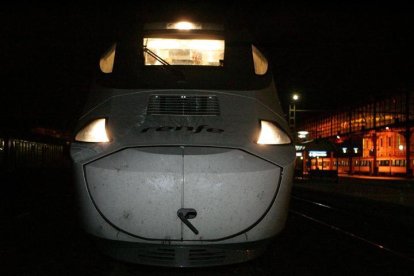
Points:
x=392 y=239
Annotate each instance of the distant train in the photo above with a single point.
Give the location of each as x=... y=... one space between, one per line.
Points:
x=183 y=156
x=386 y=166
x=363 y=165
x=18 y=153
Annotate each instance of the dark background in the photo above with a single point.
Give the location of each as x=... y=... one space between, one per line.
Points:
x=334 y=54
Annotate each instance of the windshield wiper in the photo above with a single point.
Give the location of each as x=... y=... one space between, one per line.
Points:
x=154 y=55
x=165 y=64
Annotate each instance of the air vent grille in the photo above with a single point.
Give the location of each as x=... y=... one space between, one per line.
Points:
x=183 y=105
x=199 y=257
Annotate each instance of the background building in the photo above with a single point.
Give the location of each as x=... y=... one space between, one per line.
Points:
x=372 y=138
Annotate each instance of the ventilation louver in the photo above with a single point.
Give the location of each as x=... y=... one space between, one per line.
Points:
x=183 y=105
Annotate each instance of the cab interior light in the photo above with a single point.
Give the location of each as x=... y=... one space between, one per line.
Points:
x=271 y=134
x=94 y=132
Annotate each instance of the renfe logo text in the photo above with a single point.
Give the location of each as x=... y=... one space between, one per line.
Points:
x=191 y=129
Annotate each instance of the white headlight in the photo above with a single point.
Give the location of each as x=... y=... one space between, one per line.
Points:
x=270 y=134
x=94 y=132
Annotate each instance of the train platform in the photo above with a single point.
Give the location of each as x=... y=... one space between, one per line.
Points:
x=387 y=189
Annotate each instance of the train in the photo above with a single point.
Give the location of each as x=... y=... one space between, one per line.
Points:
x=386 y=166
x=183 y=156
x=22 y=153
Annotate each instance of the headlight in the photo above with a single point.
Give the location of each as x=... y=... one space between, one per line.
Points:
x=94 y=132
x=270 y=134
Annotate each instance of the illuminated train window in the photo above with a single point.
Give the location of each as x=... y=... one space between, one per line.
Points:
x=259 y=61
x=197 y=52
x=106 y=63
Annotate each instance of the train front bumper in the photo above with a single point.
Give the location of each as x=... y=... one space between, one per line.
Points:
x=139 y=191
x=130 y=198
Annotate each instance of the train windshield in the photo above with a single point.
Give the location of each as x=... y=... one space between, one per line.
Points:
x=183 y=51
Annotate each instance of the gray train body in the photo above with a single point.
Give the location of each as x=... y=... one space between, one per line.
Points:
x=182 y=179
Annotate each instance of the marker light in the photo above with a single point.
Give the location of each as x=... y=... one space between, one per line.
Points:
x=94 y=132
x=270 y=134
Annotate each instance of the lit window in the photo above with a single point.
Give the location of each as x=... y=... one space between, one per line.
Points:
x=260 y=62
x=106 y=63
x=199 y=52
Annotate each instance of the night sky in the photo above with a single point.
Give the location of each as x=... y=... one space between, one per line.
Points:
x=333 y=54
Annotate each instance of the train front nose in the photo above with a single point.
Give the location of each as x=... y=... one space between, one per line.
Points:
x=142 y=190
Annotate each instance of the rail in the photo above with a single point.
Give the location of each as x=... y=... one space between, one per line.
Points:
x=349 y=221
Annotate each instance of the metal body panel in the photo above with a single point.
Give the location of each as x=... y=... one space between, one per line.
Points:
x=94 y=223
x=237 y=248
x=139 y=191
x=129 y=125
x=230 y=190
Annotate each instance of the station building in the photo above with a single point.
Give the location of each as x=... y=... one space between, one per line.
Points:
x=374 y=138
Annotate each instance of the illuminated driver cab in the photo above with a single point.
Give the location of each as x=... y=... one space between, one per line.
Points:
x=189 y=55
x=182 y=156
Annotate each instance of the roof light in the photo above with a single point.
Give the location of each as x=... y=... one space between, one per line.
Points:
x=184 y=25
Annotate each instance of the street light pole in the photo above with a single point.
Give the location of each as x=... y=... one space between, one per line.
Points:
x=292 y=116
x=292 y=112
